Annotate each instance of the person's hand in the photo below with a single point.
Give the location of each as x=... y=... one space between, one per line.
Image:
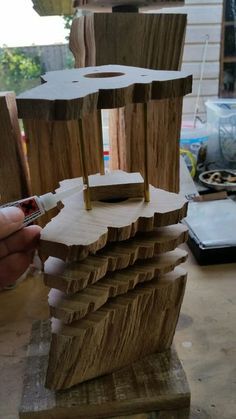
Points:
x=17 y=245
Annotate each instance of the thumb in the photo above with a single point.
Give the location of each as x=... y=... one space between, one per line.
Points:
x=11 y=220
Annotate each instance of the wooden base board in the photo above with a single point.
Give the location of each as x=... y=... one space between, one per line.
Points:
x=155 y=384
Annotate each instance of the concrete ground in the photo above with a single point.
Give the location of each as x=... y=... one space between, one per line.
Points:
x=205 y=339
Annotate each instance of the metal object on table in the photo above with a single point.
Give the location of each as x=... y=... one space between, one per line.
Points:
x=219 y=179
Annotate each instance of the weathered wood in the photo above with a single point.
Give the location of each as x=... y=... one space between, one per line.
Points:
x=77 y=306
x=53 y=7
x=104 y=87
x=124 y=330
x=14 y=179
x=66 y=7
x=73 y=277
x=75 y=232
x=157 y=382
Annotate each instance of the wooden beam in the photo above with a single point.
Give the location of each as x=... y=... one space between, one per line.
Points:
x=53 y=7
x=155 y=384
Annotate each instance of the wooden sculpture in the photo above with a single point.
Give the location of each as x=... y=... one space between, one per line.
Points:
x=119 y=300
x=110 y=254
x=62 y=102
x=144 y=40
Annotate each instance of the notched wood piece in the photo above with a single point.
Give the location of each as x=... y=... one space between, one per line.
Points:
x=156 y=382
x=124 y=330
x=72 y=94
x=76 y=232
x=116 y=185
x=77 y=306
x=73 y=277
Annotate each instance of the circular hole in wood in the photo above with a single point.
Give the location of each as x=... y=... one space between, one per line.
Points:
x=113 y=200
x=103 y=75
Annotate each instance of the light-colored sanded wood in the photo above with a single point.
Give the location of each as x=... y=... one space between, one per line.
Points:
x=73 y=277
x=155 y=383
x=14 y=179
x=124 y=330
x=75 y=232
x=115 y=185
x=104 y=87
x=77 y=306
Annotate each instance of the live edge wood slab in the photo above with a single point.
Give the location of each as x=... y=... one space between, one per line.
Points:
x=72 y=94
x=76 y=306
x=156 y=384
x=125 y=329
x=76 y=232
x=73 y=277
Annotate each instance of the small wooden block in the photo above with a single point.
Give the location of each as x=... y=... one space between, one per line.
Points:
x=76 y=232
x=77 y=306
x=125 y=329
x=155 y=383
x=73 y=277
x=116 y=185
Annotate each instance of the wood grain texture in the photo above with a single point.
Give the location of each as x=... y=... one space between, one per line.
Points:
x=156 y=383
x=53 y=152
x=77 y=306
x=76 y=232
x=103 y=87
x=14 y=179
x=73 y=277
x=124 y=330
x=154 y=41
x=163 y=132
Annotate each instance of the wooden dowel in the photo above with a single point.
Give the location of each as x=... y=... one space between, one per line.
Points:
x=87 y=200
x=146 y=177
x=100 y=144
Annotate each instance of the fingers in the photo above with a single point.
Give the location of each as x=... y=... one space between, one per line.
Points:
x=11 y=220
x=23 y=240
x=13 y=266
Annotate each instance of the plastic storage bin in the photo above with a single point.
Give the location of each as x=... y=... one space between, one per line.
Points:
x=221 y=126
x=191 y=139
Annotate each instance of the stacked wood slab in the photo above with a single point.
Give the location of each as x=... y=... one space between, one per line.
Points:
x=116 y=288
x=121 y=302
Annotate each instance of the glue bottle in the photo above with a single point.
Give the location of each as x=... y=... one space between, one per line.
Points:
x=35 y=206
